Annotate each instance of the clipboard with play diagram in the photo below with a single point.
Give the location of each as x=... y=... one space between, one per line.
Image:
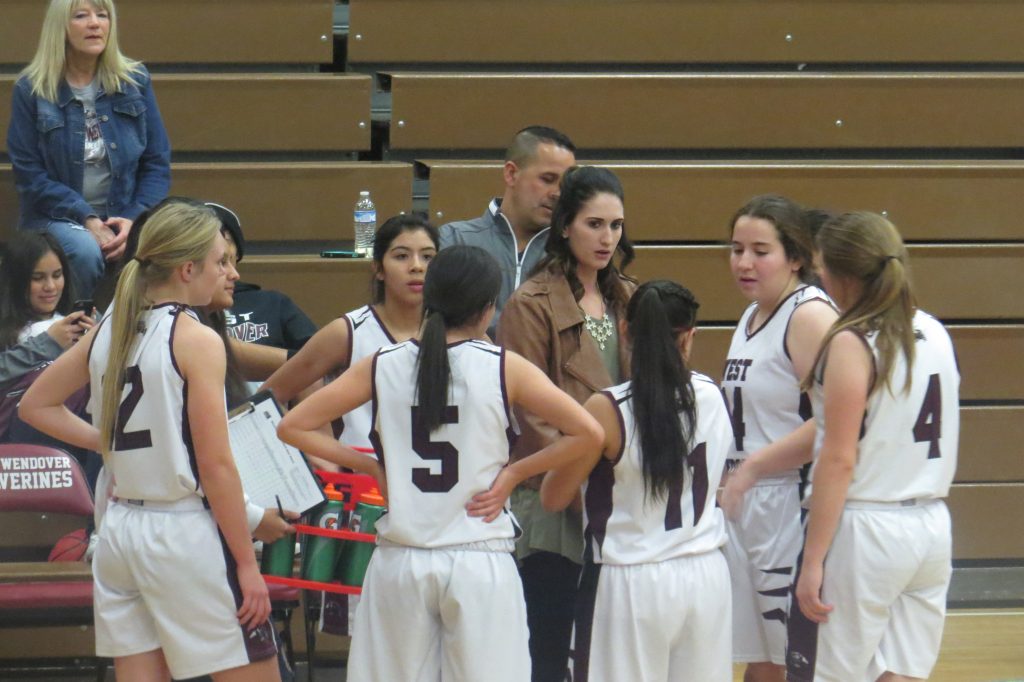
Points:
x=268 y=467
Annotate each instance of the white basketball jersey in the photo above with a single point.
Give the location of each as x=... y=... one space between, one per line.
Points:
x=152 y=456
x=366 y=335
x=622 y=527
x=908 y=446
x=759 y=382
x=431 y=476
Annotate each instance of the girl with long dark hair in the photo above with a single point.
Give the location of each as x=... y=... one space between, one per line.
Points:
x=402 y=249
x=654 y=598
x=564 y=319
x=442 y=598
x=37 y=324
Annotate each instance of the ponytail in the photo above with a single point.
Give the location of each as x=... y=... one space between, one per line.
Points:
x=664 y=404
x=129 y=304
x=174 y=235
x=462 y=282
x=866 y=248
x=432 y=372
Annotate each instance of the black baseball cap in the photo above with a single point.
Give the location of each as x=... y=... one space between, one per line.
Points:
x=230 y=222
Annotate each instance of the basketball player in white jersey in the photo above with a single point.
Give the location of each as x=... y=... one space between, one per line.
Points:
x=654 y=597
x=177 y=588
x=771 y=350
x=402 y=249
x=876 y=563
x=443 y=599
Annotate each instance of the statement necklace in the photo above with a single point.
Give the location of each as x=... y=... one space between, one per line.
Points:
x=599 y=329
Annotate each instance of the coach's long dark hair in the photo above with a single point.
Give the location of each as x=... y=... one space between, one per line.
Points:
x=579 y=185
x=657 y=314
x=461 y=283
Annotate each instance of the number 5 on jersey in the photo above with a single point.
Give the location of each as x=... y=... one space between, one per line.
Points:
x=431 y=450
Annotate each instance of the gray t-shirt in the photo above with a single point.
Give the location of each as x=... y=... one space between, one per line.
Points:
x=96 y=175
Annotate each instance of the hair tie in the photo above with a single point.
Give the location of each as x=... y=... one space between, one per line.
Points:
x=143 y=262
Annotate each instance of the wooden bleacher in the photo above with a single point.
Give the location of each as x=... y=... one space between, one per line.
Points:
x=930 y=200
x=265 y=112
x=194 y=31
x=279 y=201
x=610 y=32
x=718 y=111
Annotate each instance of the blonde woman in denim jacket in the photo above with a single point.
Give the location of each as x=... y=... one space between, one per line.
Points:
x=86 y=140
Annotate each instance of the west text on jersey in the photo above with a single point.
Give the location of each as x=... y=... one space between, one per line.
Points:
x=736 y=368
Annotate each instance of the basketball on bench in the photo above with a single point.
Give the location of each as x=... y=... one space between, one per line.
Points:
x=71 y=547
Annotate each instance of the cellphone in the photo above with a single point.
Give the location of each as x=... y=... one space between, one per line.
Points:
x=84 y=305
x=339 y=253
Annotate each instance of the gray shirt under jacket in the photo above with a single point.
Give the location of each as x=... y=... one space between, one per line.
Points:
x=493 y=233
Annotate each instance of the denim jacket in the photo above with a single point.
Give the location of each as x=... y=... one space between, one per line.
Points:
x=46 y=143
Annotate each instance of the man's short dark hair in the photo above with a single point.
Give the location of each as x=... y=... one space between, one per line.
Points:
x=524 y=145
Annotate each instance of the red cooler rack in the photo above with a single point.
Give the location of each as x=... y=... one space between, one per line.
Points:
x=352 y=487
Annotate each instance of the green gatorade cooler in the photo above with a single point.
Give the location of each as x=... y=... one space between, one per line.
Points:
x=355 y=556
x=320 y=554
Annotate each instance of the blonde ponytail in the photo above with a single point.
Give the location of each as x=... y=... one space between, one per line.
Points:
x=174 y=234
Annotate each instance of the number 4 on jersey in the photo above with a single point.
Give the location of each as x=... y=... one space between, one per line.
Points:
x=928 y=427
x=739 y=429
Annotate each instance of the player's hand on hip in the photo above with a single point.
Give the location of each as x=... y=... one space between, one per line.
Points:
x=808 y=594
x=491 y=503
x=273 y=527
x=255 y=597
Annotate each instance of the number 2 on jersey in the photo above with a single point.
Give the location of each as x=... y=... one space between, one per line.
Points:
x=429 y=450
x=131 y=440
x=928 y=427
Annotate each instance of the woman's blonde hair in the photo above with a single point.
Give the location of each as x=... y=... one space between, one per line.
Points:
x=46 y=70
x=866 y=248
x=174 y=235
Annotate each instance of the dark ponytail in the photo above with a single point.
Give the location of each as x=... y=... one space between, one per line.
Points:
x=461 y=283
x=657 y=314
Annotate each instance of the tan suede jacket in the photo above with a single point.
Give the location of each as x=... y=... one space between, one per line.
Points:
x=543 y=323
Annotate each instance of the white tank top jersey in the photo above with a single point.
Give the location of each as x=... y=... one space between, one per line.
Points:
x=152 y=456
x=759 y=382
x=622 y=527
x=431 y=476
x=908 y=445
x=366 y=335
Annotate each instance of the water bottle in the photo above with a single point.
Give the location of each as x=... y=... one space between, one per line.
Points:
x=320 y=554
x=279 y=557
x=365 y=225
x=355 y=556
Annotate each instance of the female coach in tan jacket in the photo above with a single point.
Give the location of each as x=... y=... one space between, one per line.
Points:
x=564 y=319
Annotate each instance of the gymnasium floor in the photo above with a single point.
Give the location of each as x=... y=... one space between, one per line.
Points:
x=982 y=645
